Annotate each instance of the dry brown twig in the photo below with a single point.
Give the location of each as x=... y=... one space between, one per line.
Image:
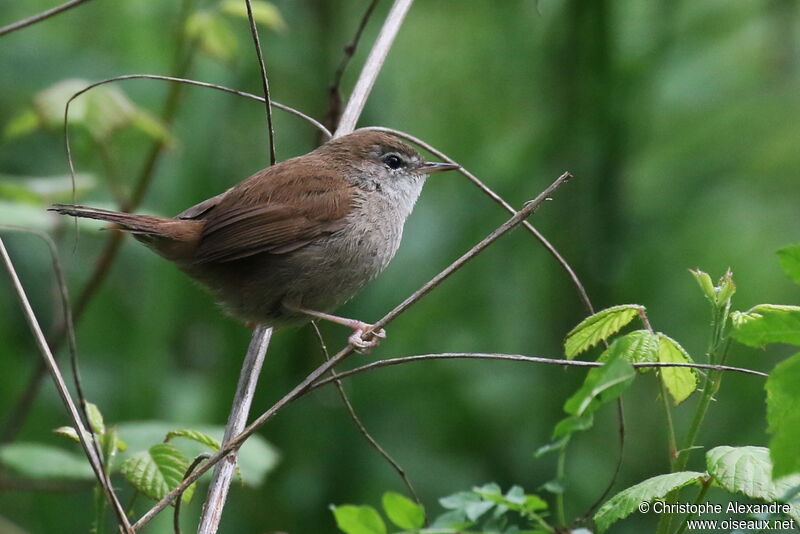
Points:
x=24 y=23
x=357 y=420
x=90 y=450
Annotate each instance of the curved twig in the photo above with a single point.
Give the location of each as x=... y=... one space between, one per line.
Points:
x=584 y=296
x=522 y=358
x=176 y=516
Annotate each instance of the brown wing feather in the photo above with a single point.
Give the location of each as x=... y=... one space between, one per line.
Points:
x=277 y=210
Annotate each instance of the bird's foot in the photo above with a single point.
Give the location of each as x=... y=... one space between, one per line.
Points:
x=361 y=343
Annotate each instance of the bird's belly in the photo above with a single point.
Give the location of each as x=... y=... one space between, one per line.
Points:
x=319 y=276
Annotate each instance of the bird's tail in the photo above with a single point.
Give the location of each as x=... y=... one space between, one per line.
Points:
x=137 y=224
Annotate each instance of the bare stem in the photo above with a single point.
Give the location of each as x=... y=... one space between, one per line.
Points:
x=264 y=81
x=357 y=420
x=375 y=61
x=223 y=472
x=91 y=453
x=334 y=96
x=39 y=17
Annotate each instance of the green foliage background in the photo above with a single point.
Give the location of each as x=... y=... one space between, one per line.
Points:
x=680 y=121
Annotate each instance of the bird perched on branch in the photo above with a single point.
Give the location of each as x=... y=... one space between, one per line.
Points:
x=297 y=239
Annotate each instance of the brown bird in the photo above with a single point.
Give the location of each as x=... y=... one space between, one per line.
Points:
x=295 y=240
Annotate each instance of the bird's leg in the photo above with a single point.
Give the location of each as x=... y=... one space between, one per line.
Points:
x=357 y=339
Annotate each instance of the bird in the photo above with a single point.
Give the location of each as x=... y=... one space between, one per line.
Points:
x=295 y=240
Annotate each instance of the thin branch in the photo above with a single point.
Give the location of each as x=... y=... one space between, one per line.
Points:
x=24 y=23
x=357 y=420
x=334 y=96
x=61 y=387
x=221 y=480
x=373 y=65
x=264 y=81
x=584 y=296
x=304 y=386
x=388 y=362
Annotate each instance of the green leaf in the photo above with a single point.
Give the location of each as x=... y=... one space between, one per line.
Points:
x=213 y=34
x=157 y=471
x=748 y=470
x=95 y=418
x=570 y=425
x=637 y=346
x=195 y=435
x=598 y=327
x=768 y=323
x=705 y=283
x=264 y=13
x=39 y=461
x=783 y=416
x=789 y=258
x=601 y=385
x=680 y=381
x=68 y=432
x=257 y=457
x=628 y=500
x=402 y=511
x=353 y=519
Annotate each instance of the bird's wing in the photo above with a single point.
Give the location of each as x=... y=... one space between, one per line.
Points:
x=277 y=210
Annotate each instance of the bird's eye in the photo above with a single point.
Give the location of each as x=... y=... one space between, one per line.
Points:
x=393 y=161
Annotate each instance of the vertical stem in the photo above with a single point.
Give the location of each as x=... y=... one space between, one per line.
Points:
x=223 y=471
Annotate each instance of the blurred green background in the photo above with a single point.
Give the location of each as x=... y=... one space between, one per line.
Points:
x=680 y=121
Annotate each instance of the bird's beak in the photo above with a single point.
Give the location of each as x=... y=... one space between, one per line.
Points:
x=429 y=167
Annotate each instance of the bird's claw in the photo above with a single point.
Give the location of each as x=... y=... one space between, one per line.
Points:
x=362 y=344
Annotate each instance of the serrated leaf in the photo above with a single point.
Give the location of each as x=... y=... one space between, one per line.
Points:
x=264 y=13
x=157 y=471
x=789 y=258
x=213 y=34
x=402 y=511
x=195 y=435
x=769 y=323
x=628 y=500
x=598 y=327
x=256 y=458
x=783 y=416
x=601 y=385
x=747 y=470
x=95 y=418
x=39 y=461
x=635 y=347
x=680 y=381
x=353 y=519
